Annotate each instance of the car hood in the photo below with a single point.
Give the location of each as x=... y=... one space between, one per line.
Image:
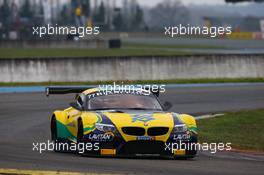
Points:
x=139 y=118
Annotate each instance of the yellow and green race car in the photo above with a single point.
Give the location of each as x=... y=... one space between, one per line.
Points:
x=121 y=123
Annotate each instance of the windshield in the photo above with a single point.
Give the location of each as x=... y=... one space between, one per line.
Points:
x=124 y=101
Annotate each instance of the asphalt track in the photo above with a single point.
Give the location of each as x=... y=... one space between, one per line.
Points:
x=24 y=119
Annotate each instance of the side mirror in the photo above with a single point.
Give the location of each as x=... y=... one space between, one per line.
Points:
x=167 y=105
x=76 y=106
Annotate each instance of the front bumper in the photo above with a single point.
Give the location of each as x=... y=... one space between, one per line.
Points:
x=114 y=144
x=118 y=147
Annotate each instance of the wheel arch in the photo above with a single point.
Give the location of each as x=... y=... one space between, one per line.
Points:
x=61 y=119
x=189 y=121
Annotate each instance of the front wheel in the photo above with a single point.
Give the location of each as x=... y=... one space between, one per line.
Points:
x=53 y=128
x=54 y=136
x=80 y=141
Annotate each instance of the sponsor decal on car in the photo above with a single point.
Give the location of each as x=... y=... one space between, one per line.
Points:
x=101 y=137
x=145 y=138
x=181 y=136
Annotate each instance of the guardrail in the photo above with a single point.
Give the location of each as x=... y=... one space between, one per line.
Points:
x=130 y=68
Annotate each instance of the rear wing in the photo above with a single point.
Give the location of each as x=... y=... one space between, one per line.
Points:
x=156 y=93
x=79 y=89
x=66 y=89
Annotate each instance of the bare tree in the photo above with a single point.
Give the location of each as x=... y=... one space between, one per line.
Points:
x=167 y=13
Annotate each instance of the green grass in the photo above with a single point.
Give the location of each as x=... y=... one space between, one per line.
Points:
x=128 y=49
x=169 y=46
x=44 y=53
x=176 y=81
x=244 y=129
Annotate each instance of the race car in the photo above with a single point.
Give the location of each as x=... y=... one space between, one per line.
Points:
x=122 y=123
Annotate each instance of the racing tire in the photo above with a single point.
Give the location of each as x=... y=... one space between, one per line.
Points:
x=53 y=128
x=54 y=135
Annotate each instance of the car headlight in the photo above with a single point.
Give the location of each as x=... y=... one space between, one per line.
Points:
x=180 y=128
x=105 y=127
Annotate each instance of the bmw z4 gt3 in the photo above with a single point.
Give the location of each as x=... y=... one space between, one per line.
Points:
x=120 y=123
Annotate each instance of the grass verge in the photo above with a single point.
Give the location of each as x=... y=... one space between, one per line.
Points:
x=175 y=81
x=169 y=46
x=244 y=129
